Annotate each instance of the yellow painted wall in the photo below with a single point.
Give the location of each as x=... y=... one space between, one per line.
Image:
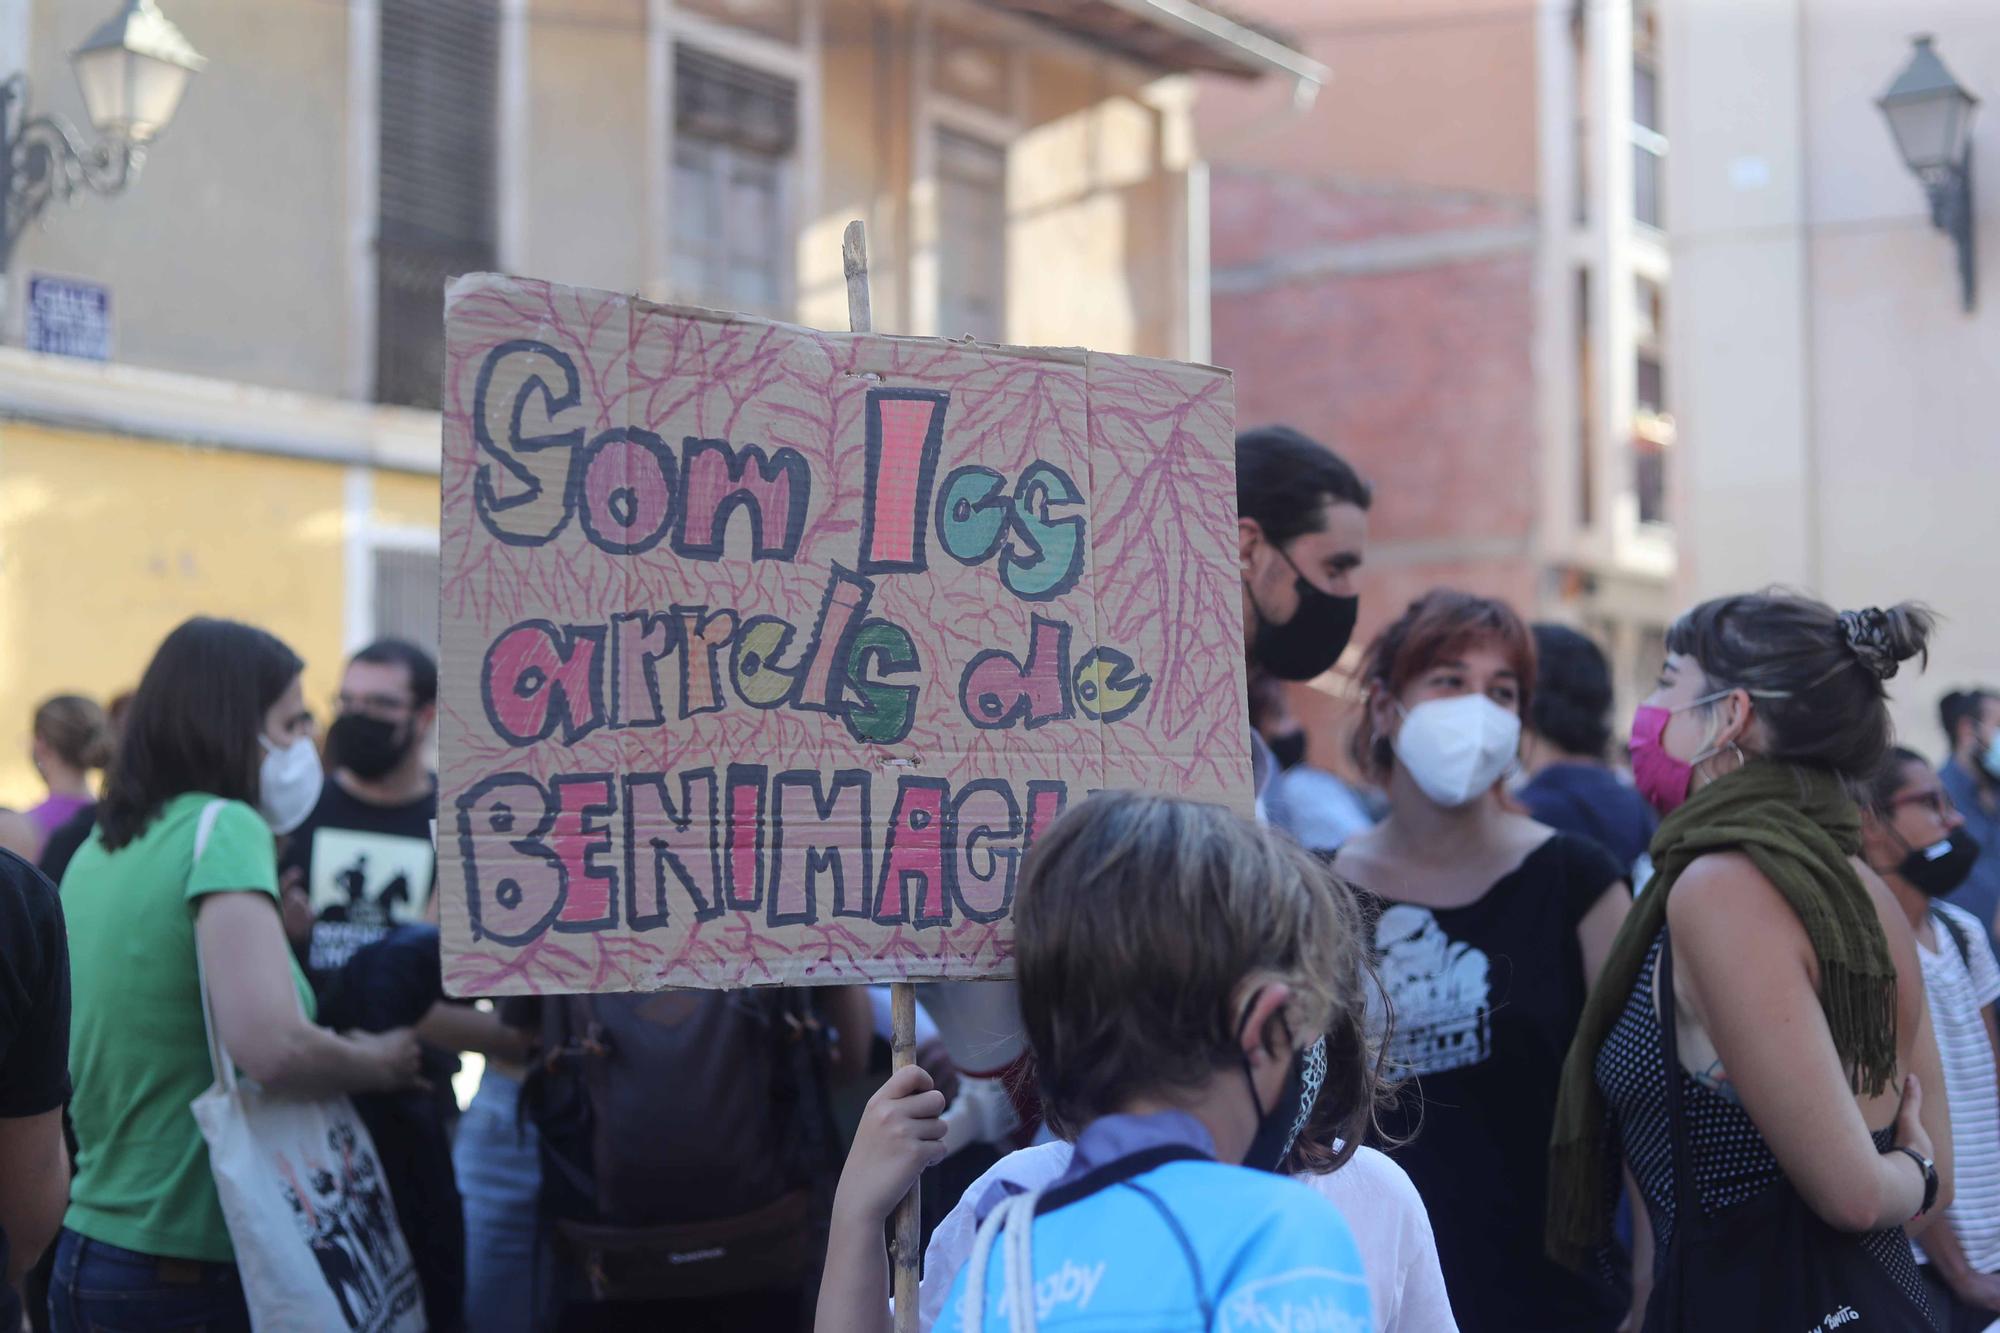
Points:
x=406 y=500
x=107 y=543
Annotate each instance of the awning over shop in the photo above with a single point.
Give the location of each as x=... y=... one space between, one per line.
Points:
x=1177 y=35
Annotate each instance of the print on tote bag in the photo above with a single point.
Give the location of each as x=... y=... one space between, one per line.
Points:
x=342 y=1211
x=316 y=1242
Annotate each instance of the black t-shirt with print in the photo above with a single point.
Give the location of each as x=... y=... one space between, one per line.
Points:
x=368 y=868
x=1486 y=1000
x=34 y=1012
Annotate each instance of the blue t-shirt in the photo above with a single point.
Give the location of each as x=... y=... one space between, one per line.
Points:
x=1168 y=1239
x=1590 y=801
x=1980 y=894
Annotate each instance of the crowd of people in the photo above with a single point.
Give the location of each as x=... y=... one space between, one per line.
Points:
x=1497 y=1016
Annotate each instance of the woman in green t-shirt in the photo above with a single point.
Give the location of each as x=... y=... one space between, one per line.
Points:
x=219 y=716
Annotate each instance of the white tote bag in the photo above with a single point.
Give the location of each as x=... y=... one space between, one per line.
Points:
x=308 y=1209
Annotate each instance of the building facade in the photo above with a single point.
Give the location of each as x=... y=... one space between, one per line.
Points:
x=1453 y=268
x=263 y=442
x=1834 y=388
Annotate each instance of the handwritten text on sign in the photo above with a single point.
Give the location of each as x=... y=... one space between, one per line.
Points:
x=768 y=652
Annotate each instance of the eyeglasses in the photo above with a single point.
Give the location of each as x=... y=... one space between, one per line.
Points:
x=1937 y=802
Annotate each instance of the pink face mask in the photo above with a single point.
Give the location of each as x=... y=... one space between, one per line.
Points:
x=1662 y=779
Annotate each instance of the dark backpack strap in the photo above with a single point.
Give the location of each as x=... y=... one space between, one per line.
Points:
x=1687 y=1200
x=802 y=1087
x=552 y=1017
x=1958 y=936
x=555 y=1097
x=1115 y=1172
x=1187 y=1247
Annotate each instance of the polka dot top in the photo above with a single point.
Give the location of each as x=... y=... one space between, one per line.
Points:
x=1732 y=1163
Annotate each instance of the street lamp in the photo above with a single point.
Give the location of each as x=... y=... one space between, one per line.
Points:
x=132 y=71
x=1931 y=119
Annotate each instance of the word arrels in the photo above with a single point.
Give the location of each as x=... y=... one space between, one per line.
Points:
x=796 y=847
x=539 y=677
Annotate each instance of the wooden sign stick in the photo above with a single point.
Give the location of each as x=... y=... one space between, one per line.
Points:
x=904 y=1248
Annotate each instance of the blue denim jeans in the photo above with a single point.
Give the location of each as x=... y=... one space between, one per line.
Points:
x=500 y=1179
x=99 y=1288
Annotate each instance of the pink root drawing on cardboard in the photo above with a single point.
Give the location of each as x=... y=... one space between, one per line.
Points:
x=769 y=651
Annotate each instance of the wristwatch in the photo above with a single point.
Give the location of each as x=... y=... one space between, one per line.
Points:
x=1929 y=1168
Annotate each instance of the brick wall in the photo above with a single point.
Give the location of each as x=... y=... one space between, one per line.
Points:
x=1397 y=326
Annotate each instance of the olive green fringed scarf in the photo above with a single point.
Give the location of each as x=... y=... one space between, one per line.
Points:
x=1799 y=826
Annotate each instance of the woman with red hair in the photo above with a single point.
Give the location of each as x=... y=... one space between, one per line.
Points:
x=1489 y=928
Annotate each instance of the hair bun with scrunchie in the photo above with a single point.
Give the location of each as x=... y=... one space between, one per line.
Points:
x=1871 y=635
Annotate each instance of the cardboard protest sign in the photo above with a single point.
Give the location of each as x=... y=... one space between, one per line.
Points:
x=767 y=652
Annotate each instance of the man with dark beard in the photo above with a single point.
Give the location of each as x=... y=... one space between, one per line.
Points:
x=1301 y=534
x=372 y=826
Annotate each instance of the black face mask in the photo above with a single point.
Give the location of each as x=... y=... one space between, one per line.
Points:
x=1312 y=640
x=1279 y=1128
x=1289 y=749
x=367 y=747
x=1938 y=869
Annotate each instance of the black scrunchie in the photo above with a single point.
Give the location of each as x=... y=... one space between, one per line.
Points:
x=1867 y=636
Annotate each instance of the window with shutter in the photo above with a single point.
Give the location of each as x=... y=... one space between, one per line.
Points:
x=439 y=117
x=972 y=237
x=1653 y=424
x=1649 y=146
x=735 y=135
x=406 y=596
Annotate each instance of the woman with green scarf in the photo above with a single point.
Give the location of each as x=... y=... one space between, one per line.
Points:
x=1807 y=1117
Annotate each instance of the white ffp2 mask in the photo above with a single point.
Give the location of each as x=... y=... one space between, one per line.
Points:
x=1455 y=749
x=288 y=783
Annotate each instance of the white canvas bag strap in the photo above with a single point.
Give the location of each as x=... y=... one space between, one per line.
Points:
x=972 y=1306
x=1019 y=1264
x=218 y=1059
x=1011 y=1224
